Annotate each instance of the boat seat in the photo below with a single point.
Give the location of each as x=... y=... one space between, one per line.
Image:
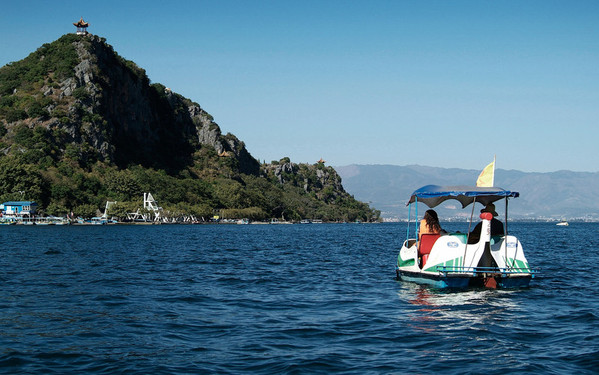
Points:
x=463 y=237
x=426 y=243
x=496 y=239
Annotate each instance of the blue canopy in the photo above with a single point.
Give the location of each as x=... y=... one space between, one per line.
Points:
x=433 y=195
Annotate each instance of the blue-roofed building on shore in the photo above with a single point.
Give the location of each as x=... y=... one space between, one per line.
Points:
x=18 y=208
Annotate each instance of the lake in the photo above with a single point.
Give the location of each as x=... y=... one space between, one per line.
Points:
x=294 y=299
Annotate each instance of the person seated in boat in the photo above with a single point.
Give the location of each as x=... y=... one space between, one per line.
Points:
x=429 y=224
x=496 y=225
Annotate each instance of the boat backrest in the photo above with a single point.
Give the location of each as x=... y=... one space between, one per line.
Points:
x=409 y=243
x=426 y=243
x=496 y=239
x=463 y=237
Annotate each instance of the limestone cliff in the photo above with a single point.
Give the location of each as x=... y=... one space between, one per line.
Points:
x=317 y=179
x=108 y=103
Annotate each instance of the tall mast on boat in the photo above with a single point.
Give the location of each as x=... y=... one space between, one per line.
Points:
x=493 y=173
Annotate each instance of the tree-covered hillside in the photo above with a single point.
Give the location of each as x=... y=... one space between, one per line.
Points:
x=80 y=125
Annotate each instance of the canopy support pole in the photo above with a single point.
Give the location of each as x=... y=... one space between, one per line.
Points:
x=505 y=216
x=416 y=219
x=409 y=219
x=509 y=267
x=469 y=228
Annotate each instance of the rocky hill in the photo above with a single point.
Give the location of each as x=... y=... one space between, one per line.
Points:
x=556 y=195
x=104 y=101
x=80 y=125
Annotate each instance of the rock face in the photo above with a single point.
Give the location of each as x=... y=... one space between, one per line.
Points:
x=282 y=170
x=317 y=179
x=108 y=104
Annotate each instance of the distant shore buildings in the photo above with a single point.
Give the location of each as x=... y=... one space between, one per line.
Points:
x=18 y=208
x=14 y=212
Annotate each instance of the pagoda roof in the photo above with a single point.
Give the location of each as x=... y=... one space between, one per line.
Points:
x=81 y=23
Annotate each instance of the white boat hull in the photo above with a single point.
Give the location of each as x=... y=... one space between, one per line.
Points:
x=496 y=261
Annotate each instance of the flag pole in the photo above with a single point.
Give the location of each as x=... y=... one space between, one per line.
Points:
x=493 y=178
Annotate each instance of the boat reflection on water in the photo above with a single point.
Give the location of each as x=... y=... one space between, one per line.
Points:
x=425 y=308
x=442 y=309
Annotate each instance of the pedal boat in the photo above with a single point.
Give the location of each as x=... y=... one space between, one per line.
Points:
x=448 y=260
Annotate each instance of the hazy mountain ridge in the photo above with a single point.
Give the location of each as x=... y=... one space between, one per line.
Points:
x=555 y=195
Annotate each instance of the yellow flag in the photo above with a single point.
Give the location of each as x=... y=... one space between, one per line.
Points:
x=487 y=176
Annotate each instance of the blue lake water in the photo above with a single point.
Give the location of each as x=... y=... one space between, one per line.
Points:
x=262 y=299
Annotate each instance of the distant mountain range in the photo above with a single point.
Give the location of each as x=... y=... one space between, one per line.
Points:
x=554 y=196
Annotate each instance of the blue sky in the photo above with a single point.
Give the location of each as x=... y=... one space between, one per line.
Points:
x=436 y=83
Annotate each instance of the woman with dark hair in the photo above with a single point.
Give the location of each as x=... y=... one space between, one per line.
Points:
x=429 y=224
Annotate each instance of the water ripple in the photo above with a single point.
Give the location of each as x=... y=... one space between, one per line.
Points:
x=283 y=299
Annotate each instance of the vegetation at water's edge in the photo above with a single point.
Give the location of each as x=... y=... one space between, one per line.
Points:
x=63 y=186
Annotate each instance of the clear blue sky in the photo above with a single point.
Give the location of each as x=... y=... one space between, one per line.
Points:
x=437 y=83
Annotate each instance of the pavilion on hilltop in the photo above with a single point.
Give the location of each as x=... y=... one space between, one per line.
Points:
x=81 y=26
